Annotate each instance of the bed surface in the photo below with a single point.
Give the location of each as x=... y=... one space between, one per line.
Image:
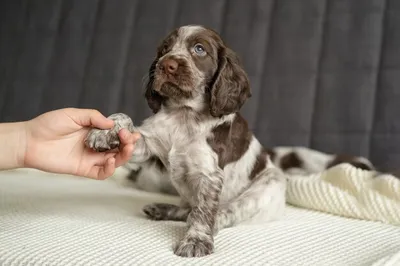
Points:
x=50 y=219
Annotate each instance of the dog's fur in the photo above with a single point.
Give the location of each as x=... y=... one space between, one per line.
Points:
x=292 y=160
x=306 y=161
x=198 y=140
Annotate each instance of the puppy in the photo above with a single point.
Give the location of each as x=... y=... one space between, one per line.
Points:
x=199 y=141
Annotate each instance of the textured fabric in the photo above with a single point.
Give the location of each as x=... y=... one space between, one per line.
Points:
x=325 y=73
x=55 y=220
x=347 y=191
x=393 y=259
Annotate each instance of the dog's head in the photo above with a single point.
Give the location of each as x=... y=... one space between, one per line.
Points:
x=192 y=63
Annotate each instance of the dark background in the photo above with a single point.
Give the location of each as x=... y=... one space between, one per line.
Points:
x=324 y=73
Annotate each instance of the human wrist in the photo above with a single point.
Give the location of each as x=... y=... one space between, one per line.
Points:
x=13 y=138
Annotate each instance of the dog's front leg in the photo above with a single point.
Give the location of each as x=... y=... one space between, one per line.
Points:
x=199 y=239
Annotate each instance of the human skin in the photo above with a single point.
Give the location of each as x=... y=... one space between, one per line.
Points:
x=54 y=142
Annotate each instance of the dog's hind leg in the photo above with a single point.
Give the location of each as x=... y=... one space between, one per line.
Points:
x=263 y=200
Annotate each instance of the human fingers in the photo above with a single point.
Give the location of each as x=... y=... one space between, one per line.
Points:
x=127 y=146
x=127 y=137
x=104 y=171
x=89 y=118
x=124 y=155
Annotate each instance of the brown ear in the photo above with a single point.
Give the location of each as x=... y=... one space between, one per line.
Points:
x=231 y=86
x=154 y=99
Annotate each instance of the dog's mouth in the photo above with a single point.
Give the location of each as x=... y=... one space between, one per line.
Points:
x=171 y=90
x=172 y=86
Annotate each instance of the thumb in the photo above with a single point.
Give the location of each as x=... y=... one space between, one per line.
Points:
x=90 y=118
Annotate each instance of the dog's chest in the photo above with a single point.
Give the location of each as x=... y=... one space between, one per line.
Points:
x=178 y=129
x=173 y=133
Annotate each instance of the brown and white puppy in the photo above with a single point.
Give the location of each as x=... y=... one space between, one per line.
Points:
x=198 y=140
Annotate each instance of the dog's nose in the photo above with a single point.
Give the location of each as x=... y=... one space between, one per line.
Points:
x=170 y=66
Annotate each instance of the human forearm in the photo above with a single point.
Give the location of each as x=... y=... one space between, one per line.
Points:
x=12 y=143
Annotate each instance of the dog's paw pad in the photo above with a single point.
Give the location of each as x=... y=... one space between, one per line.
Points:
x=102 y=140
x=153 y=212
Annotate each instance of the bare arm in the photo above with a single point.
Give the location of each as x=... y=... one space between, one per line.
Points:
x=52 y=142
x=12 y=143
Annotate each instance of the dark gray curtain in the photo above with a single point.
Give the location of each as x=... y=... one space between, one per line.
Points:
x=325 y=73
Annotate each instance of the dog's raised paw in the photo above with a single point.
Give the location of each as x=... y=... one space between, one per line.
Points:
x=102 y=140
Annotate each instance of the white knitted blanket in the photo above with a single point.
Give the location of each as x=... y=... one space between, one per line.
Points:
x=350 y=192
x=60 y=220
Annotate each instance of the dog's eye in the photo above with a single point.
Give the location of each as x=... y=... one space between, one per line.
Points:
x=199 y=49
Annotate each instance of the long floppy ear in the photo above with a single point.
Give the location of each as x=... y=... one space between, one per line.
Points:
x=154 y=99
x=231 y=87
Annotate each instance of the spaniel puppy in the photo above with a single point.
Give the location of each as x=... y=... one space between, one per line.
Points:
x=198 y=140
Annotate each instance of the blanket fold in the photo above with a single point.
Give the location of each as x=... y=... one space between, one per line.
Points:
x=349 y=192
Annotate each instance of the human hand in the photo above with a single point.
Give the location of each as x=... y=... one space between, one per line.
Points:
x=55 y=143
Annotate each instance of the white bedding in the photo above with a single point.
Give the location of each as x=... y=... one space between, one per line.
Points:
x=56 y=220
x=348 y=191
